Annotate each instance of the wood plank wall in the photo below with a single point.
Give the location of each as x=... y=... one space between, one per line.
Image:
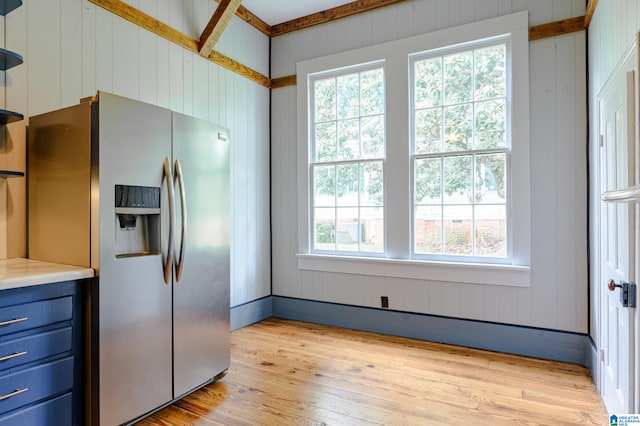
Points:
x=86 y=49
x=557 y=298
x=73 y=48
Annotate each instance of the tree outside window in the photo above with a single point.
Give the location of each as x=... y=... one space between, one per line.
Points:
x=460 y=153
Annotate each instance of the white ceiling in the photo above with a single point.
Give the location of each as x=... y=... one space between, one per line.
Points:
x=279 y=11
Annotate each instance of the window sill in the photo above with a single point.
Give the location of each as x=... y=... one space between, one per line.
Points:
x=471 y=273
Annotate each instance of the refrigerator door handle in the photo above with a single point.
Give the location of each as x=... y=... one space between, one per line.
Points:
x=169 y=262
x=183 y=210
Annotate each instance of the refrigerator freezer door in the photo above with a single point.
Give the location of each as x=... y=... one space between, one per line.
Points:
x=133 y=302
x=201 y=295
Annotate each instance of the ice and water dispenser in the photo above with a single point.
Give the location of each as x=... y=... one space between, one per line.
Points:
x=137 y=210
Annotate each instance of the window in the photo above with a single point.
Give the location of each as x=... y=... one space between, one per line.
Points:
x=460 y=153
x=413 y=157
x=347 y=161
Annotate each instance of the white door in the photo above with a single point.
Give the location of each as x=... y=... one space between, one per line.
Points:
x=617 y=240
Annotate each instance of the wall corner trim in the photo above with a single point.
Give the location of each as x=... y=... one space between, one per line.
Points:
x=250 y=312
x=592 y=363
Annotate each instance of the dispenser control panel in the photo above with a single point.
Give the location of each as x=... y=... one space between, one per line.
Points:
x=137 y=211
x=147 y=197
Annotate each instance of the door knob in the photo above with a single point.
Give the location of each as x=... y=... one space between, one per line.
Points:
x=612 y=285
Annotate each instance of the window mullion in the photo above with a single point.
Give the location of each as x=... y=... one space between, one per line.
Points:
x=397 y=176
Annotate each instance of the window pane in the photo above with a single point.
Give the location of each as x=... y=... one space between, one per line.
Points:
x=427 y=230
x=457 y=230
x=372 y=92
x=348 y=234
x=458 y=77
x=457 y=179
x=490 y=65
x=428 y=83
x=491 y=124
x=349 y=139
x=324 y=236
x=428 y=181
x=491 y=224
x=347 y=193
x=372 y=134
x=459 y=192
x=347 y=188
x=325 y=142
x=428 y=137
x=458 y=121
x=490 y=174
x=372 y=229
x=371 y=188
x=348 y=89
x=324 y=178
x=325 y=100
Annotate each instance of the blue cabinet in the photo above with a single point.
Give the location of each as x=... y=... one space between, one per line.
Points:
x=41 y=354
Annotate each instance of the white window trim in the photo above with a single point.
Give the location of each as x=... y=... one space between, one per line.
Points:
x=476 y=273
x=398 y=262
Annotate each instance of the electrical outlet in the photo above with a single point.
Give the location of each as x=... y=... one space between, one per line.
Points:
x=384 y=301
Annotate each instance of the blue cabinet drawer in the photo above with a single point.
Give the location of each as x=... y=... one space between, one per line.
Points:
x=35 y=383
x=32 y=348
x=37 y=314
x=54 y=412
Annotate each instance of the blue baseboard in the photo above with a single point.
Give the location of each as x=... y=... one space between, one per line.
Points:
x=251 y=312
x=519 y=340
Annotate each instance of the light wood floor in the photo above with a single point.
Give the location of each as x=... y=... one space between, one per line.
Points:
x=293 y=373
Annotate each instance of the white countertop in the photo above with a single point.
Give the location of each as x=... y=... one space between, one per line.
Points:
x=19 y=272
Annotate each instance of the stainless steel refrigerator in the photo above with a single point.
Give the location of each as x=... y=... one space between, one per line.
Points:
x=140 y=194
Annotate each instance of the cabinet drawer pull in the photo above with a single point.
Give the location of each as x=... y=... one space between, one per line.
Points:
x=13 y=355
x=14 y=393
x=13 y=321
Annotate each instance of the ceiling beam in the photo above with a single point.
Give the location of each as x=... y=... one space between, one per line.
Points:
x=250 y=18
x=133 y=15
x=149 y=23
x=328 y=15
x=218 y=22
x=289 y=80
x=238 y=68
x=556 y=28
x=591 y=8
x=253 y=20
